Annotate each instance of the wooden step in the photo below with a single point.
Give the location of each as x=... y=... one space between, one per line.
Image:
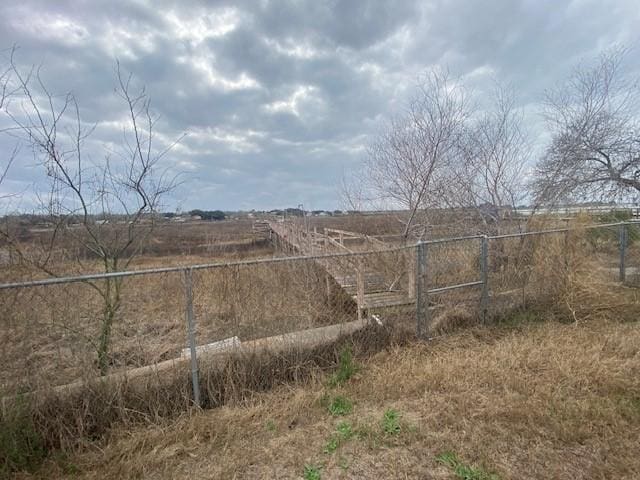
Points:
x=385 y=299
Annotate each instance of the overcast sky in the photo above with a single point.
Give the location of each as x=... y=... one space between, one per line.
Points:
x=278 y=98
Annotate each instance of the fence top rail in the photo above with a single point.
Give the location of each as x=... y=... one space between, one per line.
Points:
x=184 y=268
x=450 y=239
x=241 y=263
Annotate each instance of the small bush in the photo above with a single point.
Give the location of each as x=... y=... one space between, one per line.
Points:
x=463 y=471
x=21 y=446
x=332 y=445
x=311 y=472
x=391 y=422
x=340 y=406
x=347 y=368
x=344 y=432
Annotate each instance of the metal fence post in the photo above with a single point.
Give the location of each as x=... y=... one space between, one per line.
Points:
x=188 y=288
x=360 y=288
x=422 y=296
x=622 y=240
x=484 y=276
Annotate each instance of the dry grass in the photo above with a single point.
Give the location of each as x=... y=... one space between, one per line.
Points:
x=541 y=400
x=441 y=224
x=167 y=239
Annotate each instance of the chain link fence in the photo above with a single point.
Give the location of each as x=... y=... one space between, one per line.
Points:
x=631 y=252
x=151 y=341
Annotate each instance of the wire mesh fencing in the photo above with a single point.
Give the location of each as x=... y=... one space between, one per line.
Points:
x=630 y=253
x=523 y=269
x=58 y=334
x=171 y=331
x=265 y=299
x=449 y=283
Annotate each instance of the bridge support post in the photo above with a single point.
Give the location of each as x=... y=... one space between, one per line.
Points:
x=327 y=280
x=421 y=291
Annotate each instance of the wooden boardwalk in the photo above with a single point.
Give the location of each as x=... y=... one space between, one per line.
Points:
x=368 y=287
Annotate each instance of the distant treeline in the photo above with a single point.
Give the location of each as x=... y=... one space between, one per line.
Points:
x=203 y=214
x=297 y=212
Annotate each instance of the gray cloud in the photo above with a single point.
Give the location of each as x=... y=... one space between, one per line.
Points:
x=279 y=97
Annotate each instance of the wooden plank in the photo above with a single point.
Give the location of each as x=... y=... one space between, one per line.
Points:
x=390 y=302
x=343 y=232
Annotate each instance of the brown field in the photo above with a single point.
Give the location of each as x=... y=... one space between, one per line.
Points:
x=170 y=244
x=389 y=224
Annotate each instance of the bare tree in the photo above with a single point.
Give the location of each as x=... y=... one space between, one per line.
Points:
x=5 y=163
x=494 y=154
x=353 y=193
x=107 y=207
x=409 y=159
x=595 y=149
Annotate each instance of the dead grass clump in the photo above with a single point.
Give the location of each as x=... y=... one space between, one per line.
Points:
x=449 y=319
x=587 y=286
x=569 y=274
x=49 y=335
x=244 y=374
x=68 y=417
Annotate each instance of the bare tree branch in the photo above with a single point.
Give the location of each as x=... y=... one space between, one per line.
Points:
x=494 y=153
x=595 y=150
x=407 y=161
